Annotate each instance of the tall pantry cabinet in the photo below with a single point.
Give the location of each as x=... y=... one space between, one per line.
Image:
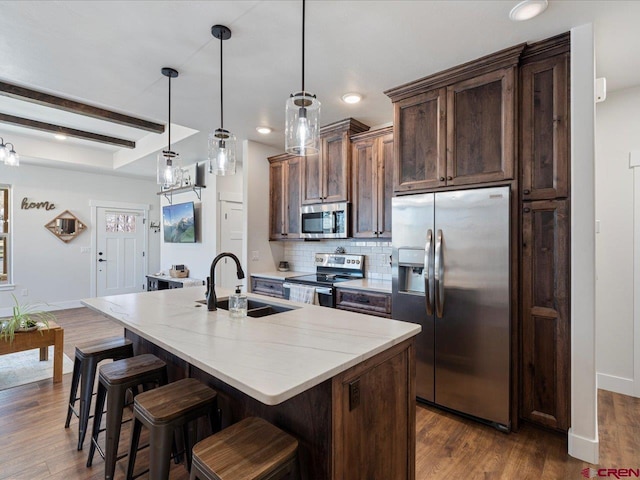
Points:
x=546 y=226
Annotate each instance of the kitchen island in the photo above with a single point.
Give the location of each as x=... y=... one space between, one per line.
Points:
x=342 y=383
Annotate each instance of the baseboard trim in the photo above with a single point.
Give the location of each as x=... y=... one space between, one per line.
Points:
x=46 y=307
x=585 y=449
x=624 y=386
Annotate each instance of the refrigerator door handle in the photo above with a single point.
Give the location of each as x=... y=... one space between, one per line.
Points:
x=426 y=272
x=439 y=275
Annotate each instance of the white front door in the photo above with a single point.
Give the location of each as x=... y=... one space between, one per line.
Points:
x=120 y=255
x=230 y=241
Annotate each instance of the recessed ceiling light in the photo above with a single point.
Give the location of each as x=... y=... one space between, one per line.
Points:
x=60 y=136
x=351 y=97
x=263 y=130
x=527 y=10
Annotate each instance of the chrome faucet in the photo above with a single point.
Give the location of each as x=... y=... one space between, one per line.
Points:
x=211 y=293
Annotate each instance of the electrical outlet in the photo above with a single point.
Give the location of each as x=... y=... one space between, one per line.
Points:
x=85 y=249
x=255 y=255
x=25 y=292
x=354 y=394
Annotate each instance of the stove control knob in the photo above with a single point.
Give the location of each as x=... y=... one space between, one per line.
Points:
x=348 y=261
x=358 y=262
x=318 y=259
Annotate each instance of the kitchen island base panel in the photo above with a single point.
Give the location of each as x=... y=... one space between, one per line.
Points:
x=358 y=424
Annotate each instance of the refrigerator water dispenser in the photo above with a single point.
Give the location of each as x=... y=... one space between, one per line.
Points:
x=411 y=270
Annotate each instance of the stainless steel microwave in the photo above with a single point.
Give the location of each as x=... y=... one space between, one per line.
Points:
x=325 y=220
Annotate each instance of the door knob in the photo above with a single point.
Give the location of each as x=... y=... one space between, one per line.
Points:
x=101 y=260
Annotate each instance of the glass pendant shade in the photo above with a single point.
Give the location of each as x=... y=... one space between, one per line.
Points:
x=168 y=172
x=3 y=152
x=302 y=129
x=11 y=158
x=222 y=152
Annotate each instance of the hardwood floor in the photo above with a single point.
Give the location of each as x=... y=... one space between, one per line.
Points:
x=35 y=445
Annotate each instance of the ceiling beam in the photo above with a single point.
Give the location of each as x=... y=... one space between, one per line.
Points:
x=73 y=106
x=69 y=132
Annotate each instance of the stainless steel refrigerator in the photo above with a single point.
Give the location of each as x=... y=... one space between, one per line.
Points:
x=451 y=275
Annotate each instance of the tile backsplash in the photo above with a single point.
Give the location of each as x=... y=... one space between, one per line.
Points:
x=300 y=255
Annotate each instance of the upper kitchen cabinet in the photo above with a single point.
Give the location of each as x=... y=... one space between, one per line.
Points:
x=421 y=141
x=457 y=127
x=544 y=120
x=481 y=128
x=285 y=182
x=372 y=183
x=325 y=177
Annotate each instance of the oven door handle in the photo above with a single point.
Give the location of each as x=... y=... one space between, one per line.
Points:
x=319 y=290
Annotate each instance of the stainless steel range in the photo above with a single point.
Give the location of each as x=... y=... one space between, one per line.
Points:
x=331 y=269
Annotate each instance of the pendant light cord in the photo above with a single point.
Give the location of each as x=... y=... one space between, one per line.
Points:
x=221 y=97
x=303 y=12
x=169 y=145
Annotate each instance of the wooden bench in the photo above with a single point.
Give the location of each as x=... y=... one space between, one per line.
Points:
x=41 y=338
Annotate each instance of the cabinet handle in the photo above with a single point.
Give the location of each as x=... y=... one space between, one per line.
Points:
x=362 y=299
x=526 y=210
x=449 y=178
x=442 y=179
x=526 y=192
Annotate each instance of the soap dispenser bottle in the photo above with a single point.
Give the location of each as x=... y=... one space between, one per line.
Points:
x=238 y=304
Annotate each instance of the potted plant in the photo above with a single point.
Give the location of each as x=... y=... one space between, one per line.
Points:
x=25 y=318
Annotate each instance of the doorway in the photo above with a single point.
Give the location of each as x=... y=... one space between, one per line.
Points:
x=231 y=236
x=119 y=257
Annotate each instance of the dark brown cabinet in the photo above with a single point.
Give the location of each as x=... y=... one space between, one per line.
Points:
x=481 y=128
x=267 y=286
x=285 y=182
x=545 y=389
x=545 y=313
x=364 y=301
x=545 y=129
x=372 y=183
x=457 y=127
x=420 y=146
x=373 y=418
x=325 y=177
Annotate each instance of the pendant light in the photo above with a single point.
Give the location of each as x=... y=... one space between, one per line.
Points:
x=302 y=131
x=9 y=156
x=222 y=143
x=168 y=170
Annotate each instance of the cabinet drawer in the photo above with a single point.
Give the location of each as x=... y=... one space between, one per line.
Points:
x=265 y=286
x=372 y=303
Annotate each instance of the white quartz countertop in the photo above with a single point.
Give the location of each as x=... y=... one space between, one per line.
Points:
x=271 y=359
x=383 y=286
x=186 y=282
x=276 y=275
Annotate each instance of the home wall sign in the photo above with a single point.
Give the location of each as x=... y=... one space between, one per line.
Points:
x=66 y=226
x=27 y=205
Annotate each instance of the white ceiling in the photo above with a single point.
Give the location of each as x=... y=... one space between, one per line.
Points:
x=109 y=54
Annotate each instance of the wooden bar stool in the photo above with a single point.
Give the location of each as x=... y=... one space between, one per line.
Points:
x=88 y=356
x=251 y=449
x=162 y=411
x=115 y=379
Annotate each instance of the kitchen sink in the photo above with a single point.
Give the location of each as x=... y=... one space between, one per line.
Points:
x=255 y=308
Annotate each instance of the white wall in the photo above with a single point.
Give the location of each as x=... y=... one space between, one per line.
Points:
x=197 y=256
x=583 y=434
x=53 y=271
x=256 y=204
x=617 y=134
